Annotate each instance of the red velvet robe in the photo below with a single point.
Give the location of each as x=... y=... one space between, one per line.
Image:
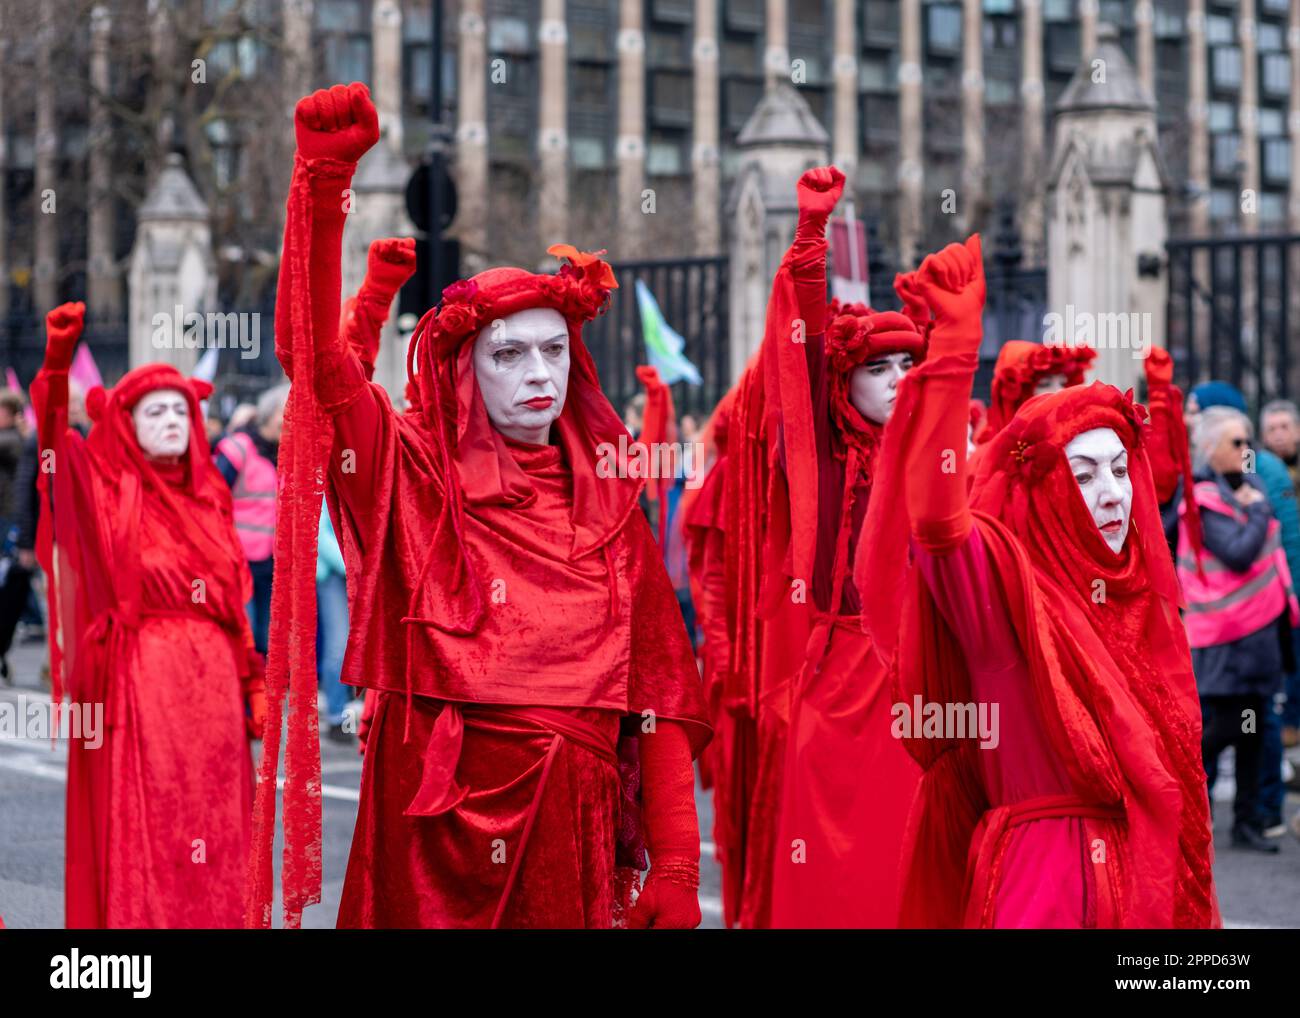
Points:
x=471 y=817
x=159 y=816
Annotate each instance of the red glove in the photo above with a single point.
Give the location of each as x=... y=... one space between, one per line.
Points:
x=953 y=284
x=336 y=123
x=670 y=899
x=819 y=191
x=255 y=693
x=390 y=264
x=62 y=330
x=1159 y=368
x=911 y=292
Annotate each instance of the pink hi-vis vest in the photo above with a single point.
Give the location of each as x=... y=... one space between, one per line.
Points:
x=1226 y=605
x=253 y=495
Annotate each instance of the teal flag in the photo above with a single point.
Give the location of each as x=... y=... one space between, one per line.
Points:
x=663 y=344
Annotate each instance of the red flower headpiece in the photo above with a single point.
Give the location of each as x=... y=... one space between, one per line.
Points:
x=579 y=291
x=1035 y=441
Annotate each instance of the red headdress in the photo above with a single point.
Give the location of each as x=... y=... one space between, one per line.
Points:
x=856 y=335
x=474 y=455
x=1019 y=368
x=1107 y=655
x=112 y=442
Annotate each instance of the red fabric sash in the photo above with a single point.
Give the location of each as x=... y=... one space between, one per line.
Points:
x=990 y=840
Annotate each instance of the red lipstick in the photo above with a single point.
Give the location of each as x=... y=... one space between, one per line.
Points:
x=539 y=402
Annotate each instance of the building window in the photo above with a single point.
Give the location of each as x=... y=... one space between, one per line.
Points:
x=1269 y=38
x=664 y=156
x=343 y=33
x=1275 y=74
x=880 y=23
x=1223 y=206
x=999 y=6
x=943 y=29
x=1058 y=10
x=1223 y=117
x=1274 y=6
x=1226 y=154
x=878 y=72
x=508 y=35
x=1168 y=24
x=587 y=153
x=1219 y=30
x=1275 y=160
x=671 y=98
x=673 y=12
x=1272 y=122
x=745 y=15
x=1272 y=209
x=1225 y=67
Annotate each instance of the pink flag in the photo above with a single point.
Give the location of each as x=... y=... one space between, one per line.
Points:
x=849 y=281
x=11 y=380
x=84 y=370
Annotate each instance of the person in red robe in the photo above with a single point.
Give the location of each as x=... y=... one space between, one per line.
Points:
x=1048 y=605
x=537 y=694
x=148 y=587
x=847 y=782
x=1023 y=370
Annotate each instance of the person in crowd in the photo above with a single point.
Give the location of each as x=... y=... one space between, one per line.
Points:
x=1045 y=591
x=246 y=459
x=1279 y=426
x=508 y=602
x=1279 y=488
x=147 y=625
x=1240 y=610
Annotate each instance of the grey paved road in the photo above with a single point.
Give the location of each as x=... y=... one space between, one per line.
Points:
x=1255 y=891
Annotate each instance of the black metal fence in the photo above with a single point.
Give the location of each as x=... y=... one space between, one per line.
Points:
x=1230 y=312
x=1015 y=296
x=693 y=297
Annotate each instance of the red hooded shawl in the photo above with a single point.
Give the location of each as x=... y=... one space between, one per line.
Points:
x=1112 y=677
x=456 y=589
x=1021 y=365
x=133 y=541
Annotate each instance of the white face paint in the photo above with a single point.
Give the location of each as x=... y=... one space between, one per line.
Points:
x=522 y=364
x=1099 y=463
x=873 y=386
x=1049 y=383
x=162 y=423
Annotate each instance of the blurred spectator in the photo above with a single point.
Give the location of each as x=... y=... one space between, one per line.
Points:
x=1279 y=425
x=212 y=424
x=1238 y=616
x=1279 y=486
x=634 y=413
x=246 y=459
x=241 y=417
x=332 y=628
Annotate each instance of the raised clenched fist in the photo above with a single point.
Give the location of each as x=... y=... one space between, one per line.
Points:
x=336 y=123
x=62 y=330
x=1159 y=368
x=819 y=190
x=391 y=263
x=910 y=291
x=953 y=280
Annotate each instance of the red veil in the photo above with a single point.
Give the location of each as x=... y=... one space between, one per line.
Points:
x=108 y=504
x=1019 y=367
x=1106 y=650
